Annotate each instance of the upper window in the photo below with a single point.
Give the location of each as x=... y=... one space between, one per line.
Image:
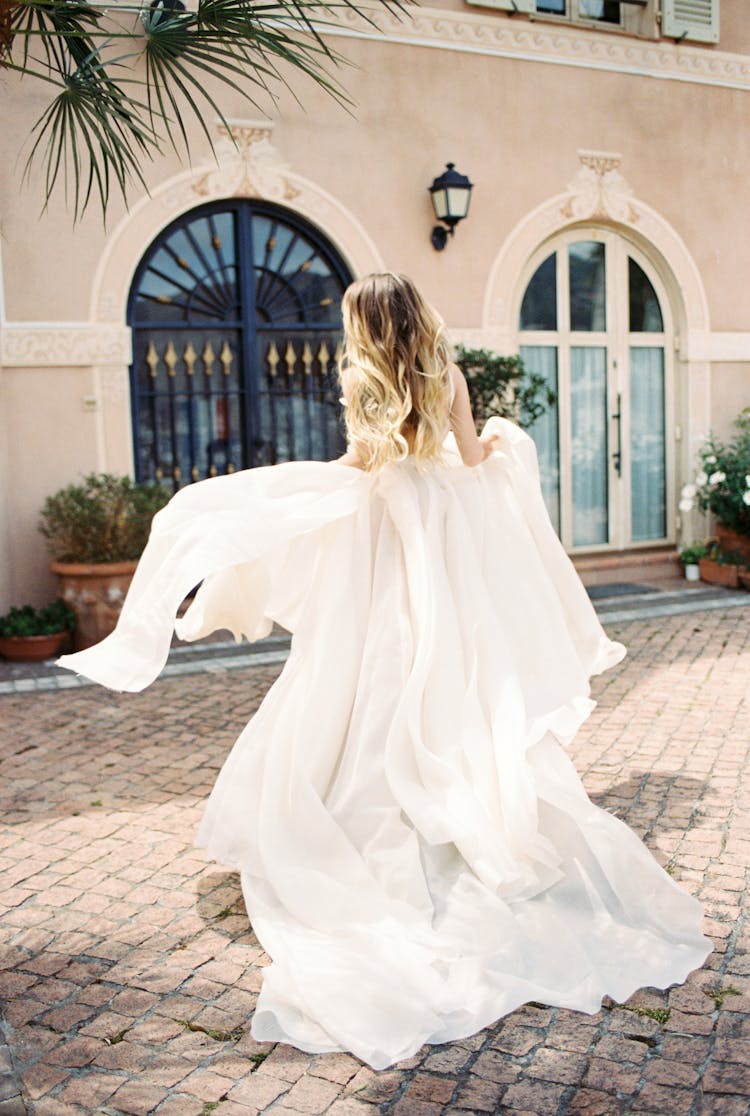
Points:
x=601 y=11
x=692 y=20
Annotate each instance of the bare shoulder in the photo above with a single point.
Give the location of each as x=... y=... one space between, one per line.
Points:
x=350 y=458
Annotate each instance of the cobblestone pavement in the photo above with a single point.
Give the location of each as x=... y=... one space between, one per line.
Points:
x=129 y=971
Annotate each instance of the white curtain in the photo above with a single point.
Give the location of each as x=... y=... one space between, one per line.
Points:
x=588 y=430
x=542 y=359
x=647 y=444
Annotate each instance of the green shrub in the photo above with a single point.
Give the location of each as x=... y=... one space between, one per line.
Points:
x=502 y=385
x=722 y=484
x=691 y=555
x=28 y=621
x=103 y=519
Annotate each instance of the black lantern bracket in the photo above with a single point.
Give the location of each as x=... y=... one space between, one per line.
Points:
x=450 y=193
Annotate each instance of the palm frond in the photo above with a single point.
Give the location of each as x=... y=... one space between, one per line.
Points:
x=104 y=122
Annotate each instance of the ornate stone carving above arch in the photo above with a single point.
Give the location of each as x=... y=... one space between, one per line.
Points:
x=598 y=193
x=246 y=165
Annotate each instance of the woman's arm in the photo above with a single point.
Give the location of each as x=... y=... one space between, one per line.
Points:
x=472 y=448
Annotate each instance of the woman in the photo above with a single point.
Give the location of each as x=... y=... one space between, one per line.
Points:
x=417 y=853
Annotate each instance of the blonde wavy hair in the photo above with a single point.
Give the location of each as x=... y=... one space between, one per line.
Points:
x=393 y=371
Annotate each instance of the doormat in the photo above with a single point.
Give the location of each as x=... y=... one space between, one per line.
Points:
x=619 y=589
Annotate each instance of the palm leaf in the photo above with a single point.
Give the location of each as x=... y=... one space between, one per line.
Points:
x=103 y=123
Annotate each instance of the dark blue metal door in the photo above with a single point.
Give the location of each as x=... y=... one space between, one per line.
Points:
x=236 y=319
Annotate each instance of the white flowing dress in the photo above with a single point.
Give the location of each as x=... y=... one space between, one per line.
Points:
x=417 y=853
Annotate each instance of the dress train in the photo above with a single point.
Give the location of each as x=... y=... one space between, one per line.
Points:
x=417 y=853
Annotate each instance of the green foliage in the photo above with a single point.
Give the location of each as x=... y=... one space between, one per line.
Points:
x=218 y=1036
x=722 y=484
x=691 y=555
x=28 y=621
x=121 y=76
x=723 y=557
x=719 y=995
x=502 y=385
x=659 y=1015
x=103 y=519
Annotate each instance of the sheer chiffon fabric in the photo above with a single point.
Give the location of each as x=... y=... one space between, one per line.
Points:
x=417 y=853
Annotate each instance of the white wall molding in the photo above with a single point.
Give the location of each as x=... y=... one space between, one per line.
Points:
x=63 y=344
x=721 y=346
x=532 y=41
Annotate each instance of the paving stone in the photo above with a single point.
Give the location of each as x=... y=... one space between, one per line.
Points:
x=538 y=1097
x=137 y=1098
x=380 y=1087
x=119 y=935
x=723 y=1077
x=664 y=1072
x=476 y=1094
x=91 y=1089
x=429 y=1087
x=663 y=1098
x=593 y=1102
x=611 y=1077
x=259 y=1092
x=557 y=1065
x=206 y=1085
x=340 y=1068
x=13 y=1106
x=408 y=1106
x=311 y=1095
x=350 y=1107
x=185 y=1106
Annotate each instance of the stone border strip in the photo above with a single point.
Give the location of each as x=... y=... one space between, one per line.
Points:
x=213 y=660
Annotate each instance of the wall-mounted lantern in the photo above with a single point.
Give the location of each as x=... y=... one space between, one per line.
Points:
x=451 y=194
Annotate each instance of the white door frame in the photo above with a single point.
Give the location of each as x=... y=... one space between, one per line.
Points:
x=617 y=341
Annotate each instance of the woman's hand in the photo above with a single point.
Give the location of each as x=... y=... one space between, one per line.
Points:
x=489 y=444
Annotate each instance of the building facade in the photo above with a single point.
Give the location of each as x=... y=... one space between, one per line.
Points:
x=197 y=332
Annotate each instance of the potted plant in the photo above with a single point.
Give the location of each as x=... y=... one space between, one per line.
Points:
x=721 y=567
x=96 y=531
x=502 y=385
x=30 y=634
x=689 y=558
x=722 y=486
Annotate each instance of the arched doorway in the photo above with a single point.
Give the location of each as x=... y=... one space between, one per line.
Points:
x=595 y=321
x=235 y=313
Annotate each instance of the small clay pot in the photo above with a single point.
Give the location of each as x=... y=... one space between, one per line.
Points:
x=717 y=573
x=31 y=649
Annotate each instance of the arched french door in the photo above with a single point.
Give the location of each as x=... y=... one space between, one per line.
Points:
x=595 y=322
x=235 y=312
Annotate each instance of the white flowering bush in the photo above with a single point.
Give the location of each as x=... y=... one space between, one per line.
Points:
x=722 y=483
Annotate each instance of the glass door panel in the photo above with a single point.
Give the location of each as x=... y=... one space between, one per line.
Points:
x=648 y=481
x=589 y=452
x=542 y=359
x=539 y=306
x=644 y=310
x=588 y=293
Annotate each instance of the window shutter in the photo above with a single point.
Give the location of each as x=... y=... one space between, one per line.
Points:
x=691 y=19
x=506 y=5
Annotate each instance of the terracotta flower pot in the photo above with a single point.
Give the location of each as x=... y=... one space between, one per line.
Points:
x=733 y=543
x=31 y=649
x=96 y=594
x=744 y=576
x=719 y=574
